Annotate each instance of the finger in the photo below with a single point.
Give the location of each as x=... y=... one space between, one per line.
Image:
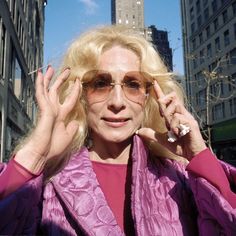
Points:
x=173 y=108
x=170 y=110
x=166 y=100
x=47 y=78
x=70 y=101
x=40 y=89
x=74 y=93
x=167 y=107
x=147 y=133
x=175 y=122
x=153 y=136
x=158 y=91
x=60 y=79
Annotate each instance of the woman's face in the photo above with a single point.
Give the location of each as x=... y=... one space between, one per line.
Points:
x=115 y=118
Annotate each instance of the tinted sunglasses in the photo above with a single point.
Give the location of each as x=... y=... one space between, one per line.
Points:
x=98 y=84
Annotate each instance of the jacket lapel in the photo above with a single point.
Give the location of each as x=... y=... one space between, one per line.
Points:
x=78 y=188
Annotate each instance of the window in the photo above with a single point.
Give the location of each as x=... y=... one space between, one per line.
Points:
x=206 y=14
x=214 y=5
x=202 y=56
x=213 y=90
x=2 y=48
x=218 y=111
x=234 y=8
x=200 y=79
x=205 y=2
x=201 y=98
x=194 y=44
x=198 y=7
x=217 y=89
x=223 y=1
x=194 y=63
x=191 y=13
x=232 y=106
x=232 y=82
x=217 y=44
x=232 y=57
x=235 y=31
x=212 y=66
x=200 y=38
x=17 y=79
x=199 y=20
x=209 y=51
x=216 y=24
x=208 y=32
x=225 y=16
x=221 y=87
x=226 y=38
x=192 y=27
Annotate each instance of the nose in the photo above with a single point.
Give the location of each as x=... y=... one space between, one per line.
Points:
x=116 y=99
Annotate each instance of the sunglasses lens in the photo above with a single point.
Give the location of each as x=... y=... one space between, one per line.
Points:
x=136 y=86
x=98 y=85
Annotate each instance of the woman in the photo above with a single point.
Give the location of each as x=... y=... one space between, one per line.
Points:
x=99 y=160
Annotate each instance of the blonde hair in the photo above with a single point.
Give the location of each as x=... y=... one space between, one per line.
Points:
x=83 y=55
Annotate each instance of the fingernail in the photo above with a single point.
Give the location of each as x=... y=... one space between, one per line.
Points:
x=49 y=66
x=67 y=68
x=161 y=112
x=167 y=125
x=136 y=132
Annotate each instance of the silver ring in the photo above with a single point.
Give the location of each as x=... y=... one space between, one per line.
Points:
x=184 y=129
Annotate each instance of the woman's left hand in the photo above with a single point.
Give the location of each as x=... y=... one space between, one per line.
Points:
x=173 y=111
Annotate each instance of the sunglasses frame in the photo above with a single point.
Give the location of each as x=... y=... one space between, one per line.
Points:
x=147 y=84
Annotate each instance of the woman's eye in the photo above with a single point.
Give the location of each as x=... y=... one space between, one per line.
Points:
x=101 y=82
x=133 y=84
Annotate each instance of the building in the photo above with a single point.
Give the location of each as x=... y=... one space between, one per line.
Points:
x=21 y=50
x=131 y=14
x=159 y=38
x=209 y=37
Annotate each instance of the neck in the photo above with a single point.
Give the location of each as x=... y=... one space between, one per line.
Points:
x=108 y=152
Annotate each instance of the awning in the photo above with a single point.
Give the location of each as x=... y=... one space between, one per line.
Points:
x=224 y=131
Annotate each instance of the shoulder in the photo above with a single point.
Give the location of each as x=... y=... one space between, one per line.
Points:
x=168 y=169
x=169 y=164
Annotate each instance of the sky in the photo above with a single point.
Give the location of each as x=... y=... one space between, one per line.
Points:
x=66 y=19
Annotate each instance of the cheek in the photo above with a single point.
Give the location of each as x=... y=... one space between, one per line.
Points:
x=93 y=114
x=138 y=115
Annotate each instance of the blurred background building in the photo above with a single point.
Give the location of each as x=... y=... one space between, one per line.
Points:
x=131 y=14
x=21 y=52
x=209 y=36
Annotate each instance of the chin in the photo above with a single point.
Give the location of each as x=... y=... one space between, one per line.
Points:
x=117 y=137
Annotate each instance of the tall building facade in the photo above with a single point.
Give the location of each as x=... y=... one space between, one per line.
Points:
x=209 y=37
x=131 y=14
x=21 y=52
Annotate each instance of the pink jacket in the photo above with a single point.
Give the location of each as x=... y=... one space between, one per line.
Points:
x=166 y=200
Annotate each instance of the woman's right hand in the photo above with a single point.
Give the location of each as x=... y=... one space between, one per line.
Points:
x=51 y=135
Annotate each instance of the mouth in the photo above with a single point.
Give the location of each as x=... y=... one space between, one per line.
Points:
x=115 y=122
x=115 y=119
